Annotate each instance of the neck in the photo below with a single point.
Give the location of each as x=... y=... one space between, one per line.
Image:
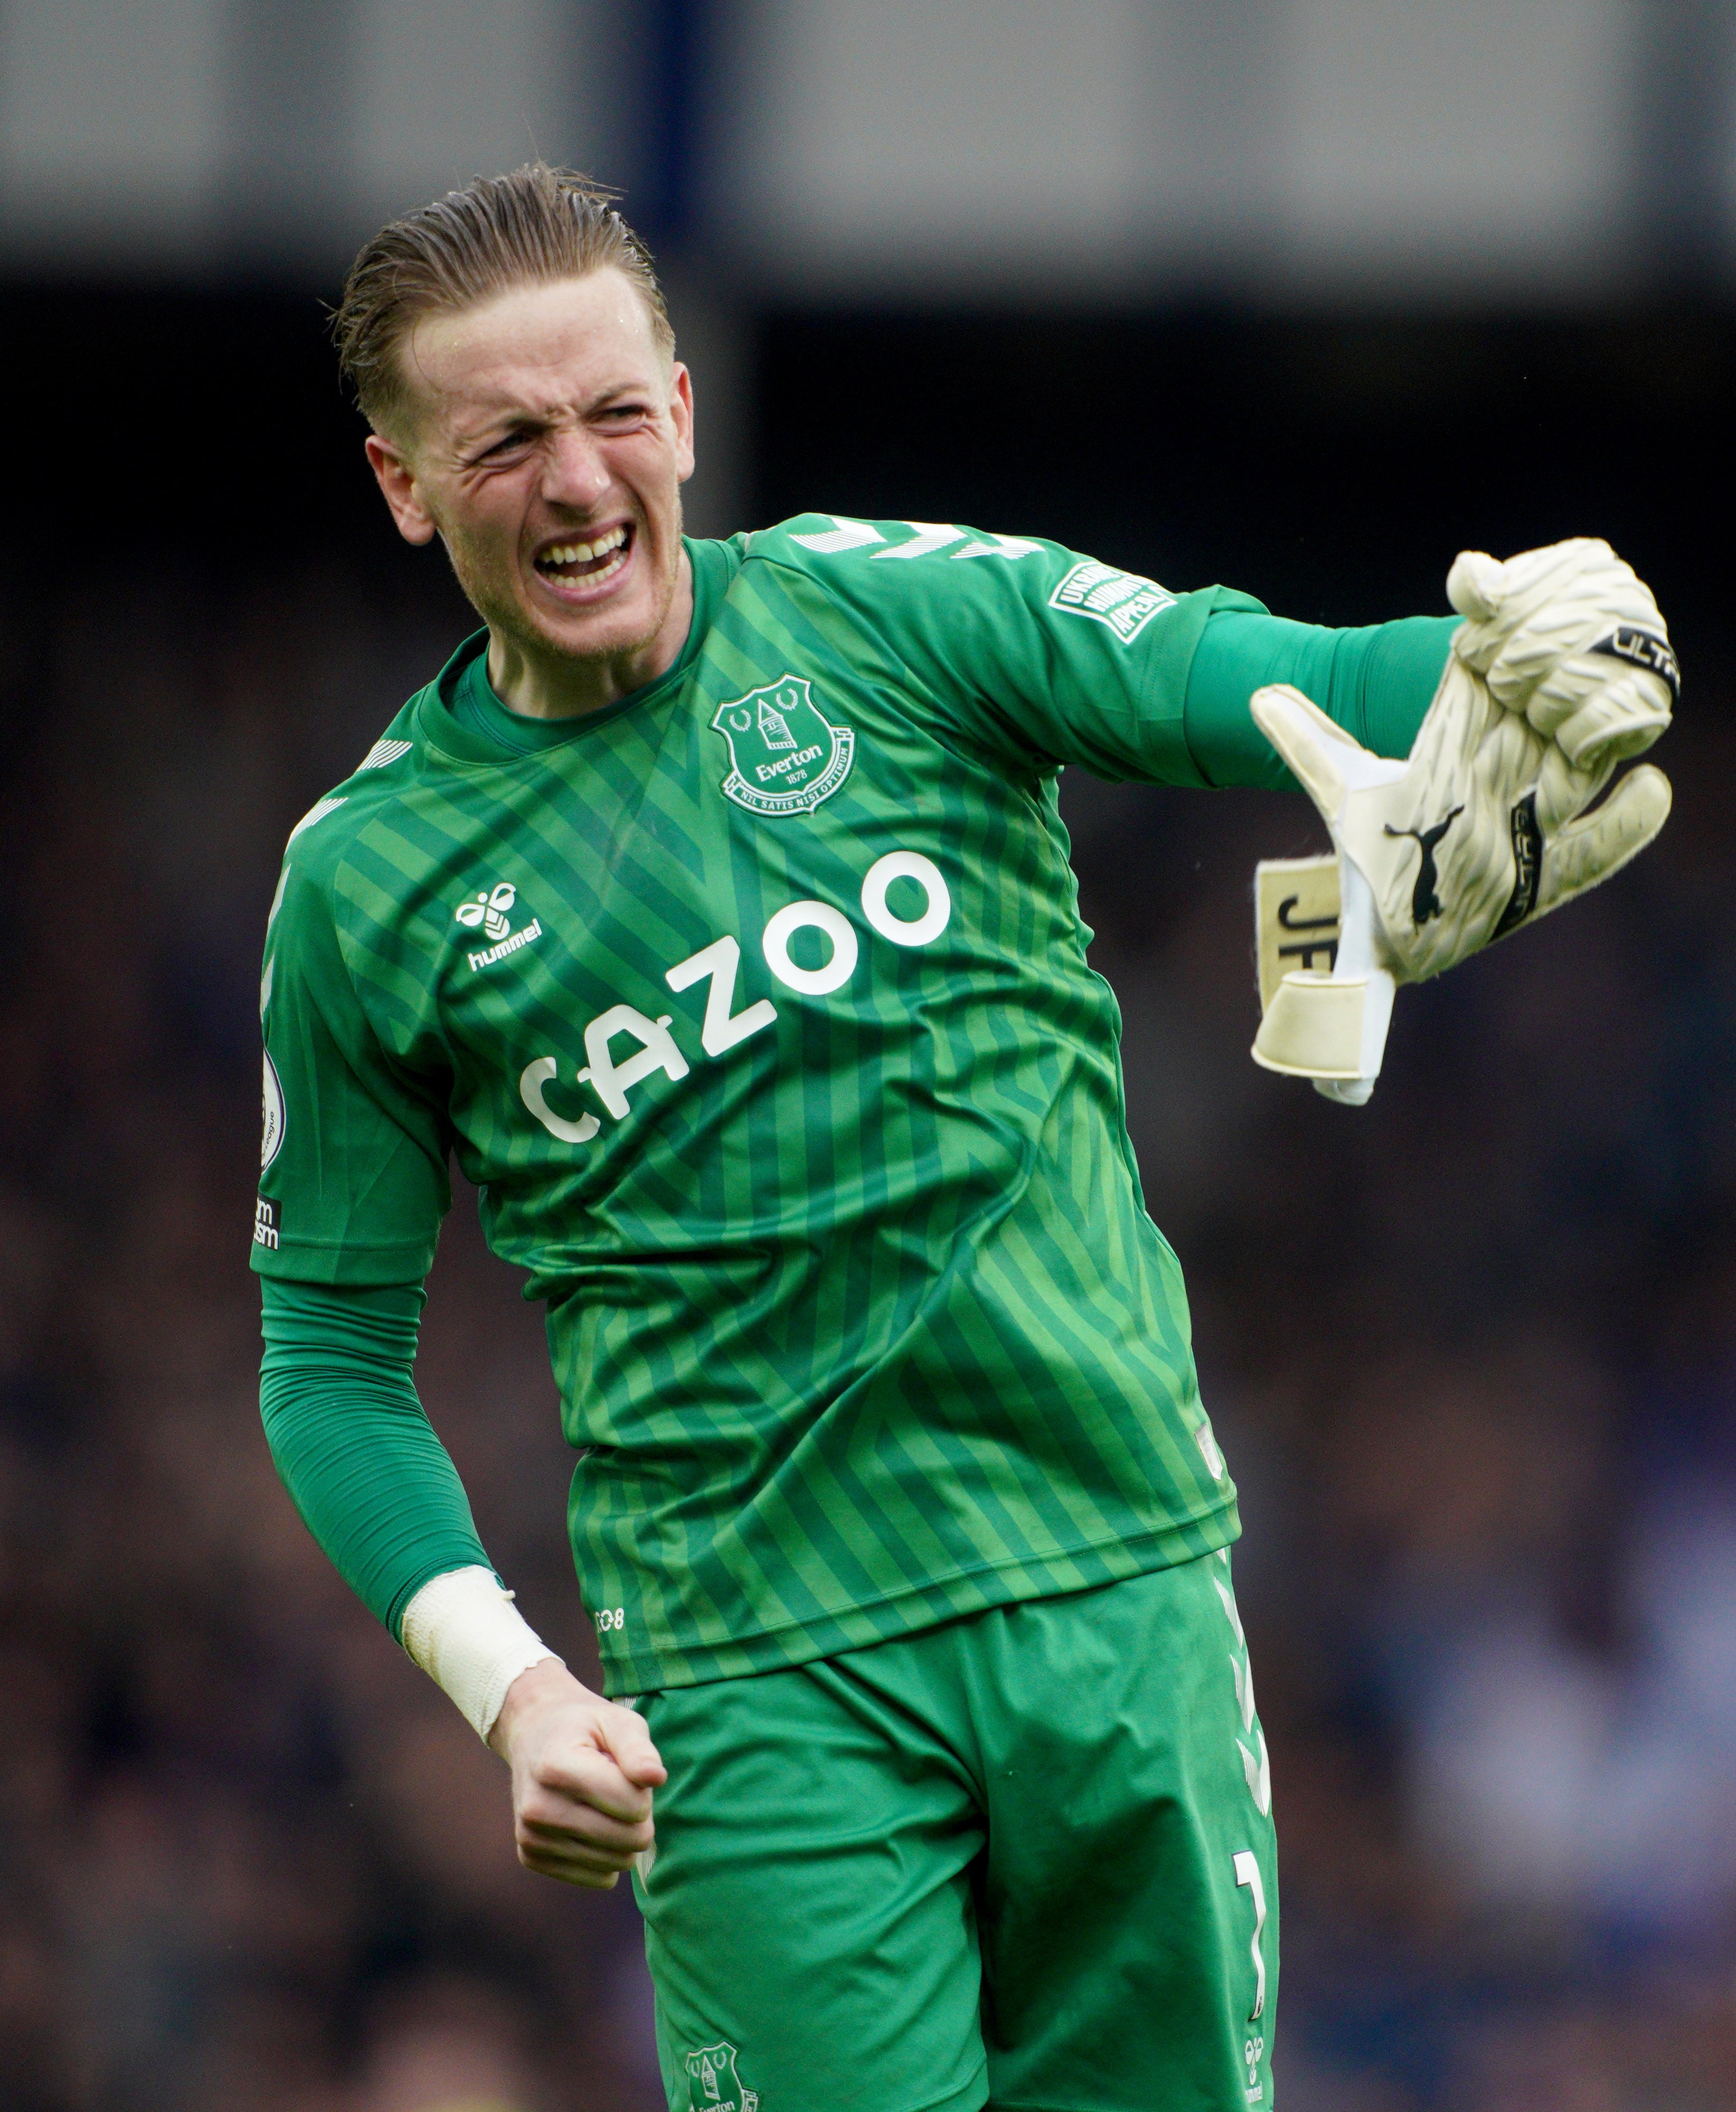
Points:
x=545 y=685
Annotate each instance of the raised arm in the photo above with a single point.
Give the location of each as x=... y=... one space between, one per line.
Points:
x=1377 y=682
x=1038 y=655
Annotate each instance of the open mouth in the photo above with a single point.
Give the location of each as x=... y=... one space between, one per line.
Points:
x=575 y=564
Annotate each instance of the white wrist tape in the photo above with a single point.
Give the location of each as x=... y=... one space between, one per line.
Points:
x=465 y=1632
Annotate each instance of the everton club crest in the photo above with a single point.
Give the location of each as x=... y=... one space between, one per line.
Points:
x=713 y=2085
x=785 y=759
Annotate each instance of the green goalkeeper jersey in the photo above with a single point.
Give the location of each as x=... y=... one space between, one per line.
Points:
x=757 y=1008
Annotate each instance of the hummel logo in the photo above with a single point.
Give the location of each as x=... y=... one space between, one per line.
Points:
x=1425 y=903
x=490 y=910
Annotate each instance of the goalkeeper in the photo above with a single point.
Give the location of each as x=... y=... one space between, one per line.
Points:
x=713 y=905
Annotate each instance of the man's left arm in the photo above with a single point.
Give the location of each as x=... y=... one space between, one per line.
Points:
x=1377 y=682
x=1035 y=655
x=1458 y=810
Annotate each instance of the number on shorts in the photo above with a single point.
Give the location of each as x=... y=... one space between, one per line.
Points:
x=1247 y=1874
x=611 y=1616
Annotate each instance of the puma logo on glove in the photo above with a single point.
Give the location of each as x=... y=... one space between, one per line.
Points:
x=1425 y=902
x=1562 y=671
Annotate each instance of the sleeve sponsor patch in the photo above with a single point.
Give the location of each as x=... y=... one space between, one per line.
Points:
x=267 y=1223
x=270 y=1134
x=1125 y=601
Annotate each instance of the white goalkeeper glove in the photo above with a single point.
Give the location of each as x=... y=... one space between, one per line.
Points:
x=1486 y=818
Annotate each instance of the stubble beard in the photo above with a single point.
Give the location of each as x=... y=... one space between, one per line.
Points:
x=499 y=607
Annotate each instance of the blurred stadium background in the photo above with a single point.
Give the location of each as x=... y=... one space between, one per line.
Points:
x=1302 y=295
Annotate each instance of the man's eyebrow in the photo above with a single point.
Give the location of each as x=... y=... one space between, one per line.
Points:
x=488 y=432
x=483 y=419
x=617 y=389
x=482 y=415
x=490 y=423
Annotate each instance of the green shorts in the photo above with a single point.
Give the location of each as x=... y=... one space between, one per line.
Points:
x=1022 y=1860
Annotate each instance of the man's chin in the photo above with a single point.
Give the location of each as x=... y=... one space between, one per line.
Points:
x=589 y=633
x=605 y=631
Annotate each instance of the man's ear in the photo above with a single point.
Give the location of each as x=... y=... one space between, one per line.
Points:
x=681 y=410
x=399 y=488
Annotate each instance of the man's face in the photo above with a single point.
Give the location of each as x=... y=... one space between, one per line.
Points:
x=545 y=442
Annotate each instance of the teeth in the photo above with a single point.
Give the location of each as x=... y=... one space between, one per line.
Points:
x=582 y=553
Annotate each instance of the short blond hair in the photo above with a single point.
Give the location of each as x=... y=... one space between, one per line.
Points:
x=537 y=225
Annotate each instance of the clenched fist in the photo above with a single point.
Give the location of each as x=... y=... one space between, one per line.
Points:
x=583 y=1772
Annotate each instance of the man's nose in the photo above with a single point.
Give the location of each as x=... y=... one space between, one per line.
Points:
x=574 y=475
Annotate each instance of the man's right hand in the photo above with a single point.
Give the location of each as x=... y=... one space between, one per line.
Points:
x=583 y=1772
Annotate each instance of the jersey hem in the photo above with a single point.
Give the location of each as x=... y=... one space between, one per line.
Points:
x=928 y=1604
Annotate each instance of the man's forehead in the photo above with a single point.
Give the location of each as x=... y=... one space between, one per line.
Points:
x=538 y=345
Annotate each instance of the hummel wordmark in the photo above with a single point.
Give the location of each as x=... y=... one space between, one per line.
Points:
x=490 y=910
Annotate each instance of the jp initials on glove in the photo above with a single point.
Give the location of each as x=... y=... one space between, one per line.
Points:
x=1485 y=826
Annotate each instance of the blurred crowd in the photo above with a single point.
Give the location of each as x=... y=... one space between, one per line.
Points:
x=1471 y=1352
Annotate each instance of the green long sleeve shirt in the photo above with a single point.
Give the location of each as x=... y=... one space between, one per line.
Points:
x=368 y=1473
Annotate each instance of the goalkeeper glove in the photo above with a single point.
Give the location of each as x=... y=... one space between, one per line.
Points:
x=1570 y=638
x=1484 y=827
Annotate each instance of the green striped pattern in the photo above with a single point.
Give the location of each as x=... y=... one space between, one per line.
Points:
x=859 y=1324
